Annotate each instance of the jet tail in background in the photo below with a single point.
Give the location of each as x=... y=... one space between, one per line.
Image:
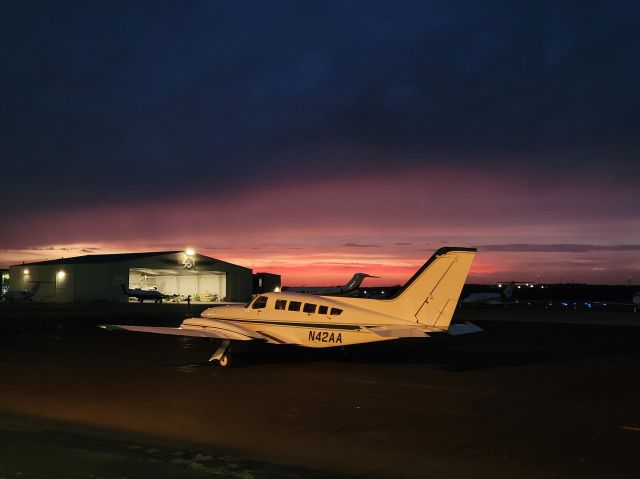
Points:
x=356 y=281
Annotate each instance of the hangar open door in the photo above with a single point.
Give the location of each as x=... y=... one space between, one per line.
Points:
x=202 y=286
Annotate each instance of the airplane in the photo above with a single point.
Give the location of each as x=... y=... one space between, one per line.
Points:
x=21 y=294
x=635 y=303
x=143 y=294
x=353 y=284
x=423 y=306
x=491 y=299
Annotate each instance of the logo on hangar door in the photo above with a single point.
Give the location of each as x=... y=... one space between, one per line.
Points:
x=188 y=263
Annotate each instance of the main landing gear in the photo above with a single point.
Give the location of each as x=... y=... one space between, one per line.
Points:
x=222 y=356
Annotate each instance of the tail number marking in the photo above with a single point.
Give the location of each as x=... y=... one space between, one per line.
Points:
x=325 y=337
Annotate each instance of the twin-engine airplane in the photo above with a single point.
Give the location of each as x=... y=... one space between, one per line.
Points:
x=424 y=305
x=353 y=284
x=146 y=294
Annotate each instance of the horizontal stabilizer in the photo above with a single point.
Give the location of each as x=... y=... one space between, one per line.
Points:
x=397 y=331
x=464 y=328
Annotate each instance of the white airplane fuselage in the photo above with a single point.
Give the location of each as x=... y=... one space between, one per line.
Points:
x=353 y=284
x=333 y=322
x=484 y=298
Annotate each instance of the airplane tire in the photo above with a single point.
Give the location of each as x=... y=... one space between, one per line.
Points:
x=224 y=361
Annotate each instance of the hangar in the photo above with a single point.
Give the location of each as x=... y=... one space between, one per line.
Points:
x=101 y=277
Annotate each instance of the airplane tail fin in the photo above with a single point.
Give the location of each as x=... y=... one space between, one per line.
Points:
x=508 y=290
x=356 y=280
x=431 y=295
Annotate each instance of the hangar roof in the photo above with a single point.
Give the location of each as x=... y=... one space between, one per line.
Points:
x=103 y=258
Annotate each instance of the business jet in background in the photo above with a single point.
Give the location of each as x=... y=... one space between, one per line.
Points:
x=422 y=307
x=353 y=284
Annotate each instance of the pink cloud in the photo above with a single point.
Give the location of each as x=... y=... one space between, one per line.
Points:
x=322 y=232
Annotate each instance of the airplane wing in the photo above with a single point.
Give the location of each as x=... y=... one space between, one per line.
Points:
x=211 y=332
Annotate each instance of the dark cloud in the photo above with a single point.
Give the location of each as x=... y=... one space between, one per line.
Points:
x=360 y=245
x=116 y=101
x=557 y=248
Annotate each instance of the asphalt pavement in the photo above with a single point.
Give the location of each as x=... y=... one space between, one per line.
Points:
x=521 y=399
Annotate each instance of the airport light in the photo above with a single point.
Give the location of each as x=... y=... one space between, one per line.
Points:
x=61 y=275
x=25 y=272
x=277 y=289
x=189 y=252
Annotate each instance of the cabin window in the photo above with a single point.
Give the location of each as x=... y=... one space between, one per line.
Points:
x=294 y=305
x=323 y=309
x=309 y=308
x=260 y=303
x=281 y=304
x=336 y=311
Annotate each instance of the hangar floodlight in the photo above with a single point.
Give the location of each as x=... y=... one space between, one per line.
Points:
x=61 y=275
x=189 y=252
x=25 y=271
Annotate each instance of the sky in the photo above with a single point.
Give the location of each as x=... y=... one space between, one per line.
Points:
x=321 y=138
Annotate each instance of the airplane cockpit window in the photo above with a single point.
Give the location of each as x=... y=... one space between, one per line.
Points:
x=294 y=305
x=260 y=303
x=336 y=311
x=281 y=304
x=309 y=308
x=323 y=309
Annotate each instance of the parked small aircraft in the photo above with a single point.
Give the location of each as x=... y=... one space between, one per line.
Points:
x=423 y=306
x=353 y=284
x=491 y=299
x=146 y=294
x=21 y=294
x=634 y=304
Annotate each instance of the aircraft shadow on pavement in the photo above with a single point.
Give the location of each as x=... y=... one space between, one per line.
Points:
x=497 y=347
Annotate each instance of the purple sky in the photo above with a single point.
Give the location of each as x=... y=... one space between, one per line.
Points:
x=317 y=139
